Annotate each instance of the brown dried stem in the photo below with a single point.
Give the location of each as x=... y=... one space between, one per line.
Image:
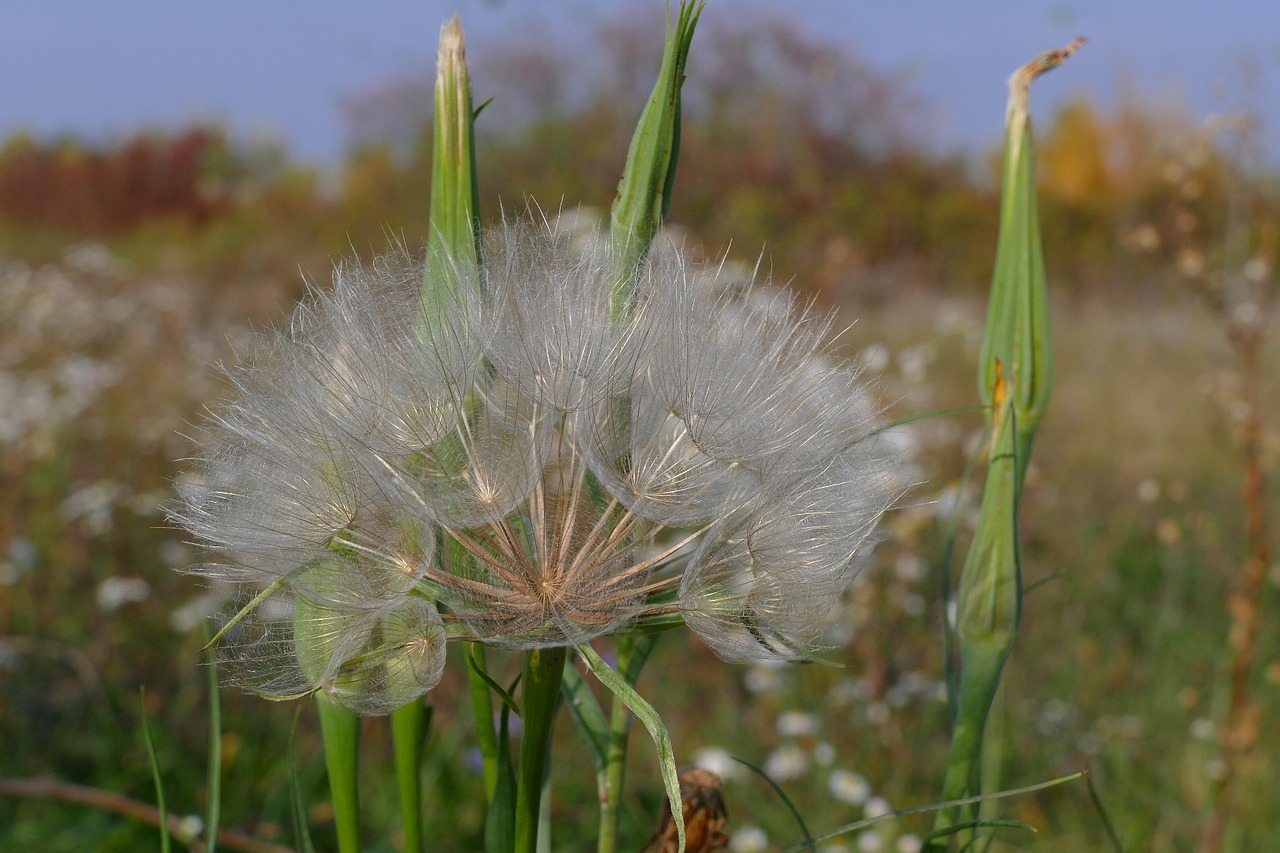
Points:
x=1239 y=730
x=68 y=792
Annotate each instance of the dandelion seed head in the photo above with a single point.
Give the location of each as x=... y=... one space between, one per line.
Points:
x=541 y=454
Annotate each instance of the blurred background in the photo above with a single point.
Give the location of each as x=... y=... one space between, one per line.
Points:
x=171 y=177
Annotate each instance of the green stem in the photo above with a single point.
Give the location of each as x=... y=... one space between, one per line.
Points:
x=482 y=710
x=340 y=730
x=979 y=677
x=409 y=726
x=214 y=810
x=543 y=674
x=615 y=760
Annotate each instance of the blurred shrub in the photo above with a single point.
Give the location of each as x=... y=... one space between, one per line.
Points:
x=791 y=146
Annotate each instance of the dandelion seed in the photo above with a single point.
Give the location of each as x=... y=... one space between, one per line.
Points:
x=546 y=458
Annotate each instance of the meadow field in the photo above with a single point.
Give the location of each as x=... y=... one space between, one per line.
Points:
x=129 y=271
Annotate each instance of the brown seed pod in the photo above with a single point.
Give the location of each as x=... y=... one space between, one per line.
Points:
x=704 y=816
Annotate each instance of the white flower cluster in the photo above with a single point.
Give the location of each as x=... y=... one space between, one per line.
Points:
x=541 y=455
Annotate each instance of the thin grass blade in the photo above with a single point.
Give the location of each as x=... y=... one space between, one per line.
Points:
x=165 y=843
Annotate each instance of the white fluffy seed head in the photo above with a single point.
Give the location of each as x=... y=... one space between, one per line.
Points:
x=548 y=456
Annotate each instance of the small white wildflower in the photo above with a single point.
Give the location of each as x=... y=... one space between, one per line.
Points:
x=909 y=843
x=1257 y=269
x=786 y=763
x=749 y=839
x=824 y=754
x=190 y=827
x=797 y=724
x=877 y=807
x=175 y=554
x=875 y=357
x=1089 y=744
x=1149 y=490
x=848 y=787
x=764 y=677
x=878 y=713
x=913 y=604
x=190 y=615
x=1204 y=729
x=909 y=568
x=914 y=361
x=114 y=593
x=718 y=761
x=896 y=696
x=93 y=505
x=870 y=841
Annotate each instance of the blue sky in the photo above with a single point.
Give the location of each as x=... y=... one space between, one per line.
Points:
x=284 y=66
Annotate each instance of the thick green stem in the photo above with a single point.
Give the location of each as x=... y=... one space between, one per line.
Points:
x=543 y=674
x=979 y=672
x=340 y=729
x=409 y=726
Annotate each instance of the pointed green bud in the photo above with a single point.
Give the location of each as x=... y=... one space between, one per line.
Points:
x=1015 y=375
x=1017 y=331
x=452 y=247
x=644 y=193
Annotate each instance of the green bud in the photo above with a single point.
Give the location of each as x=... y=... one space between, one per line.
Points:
x=452 y=246
x=644 y=193
x=1017 y=331
x=1015 y=375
